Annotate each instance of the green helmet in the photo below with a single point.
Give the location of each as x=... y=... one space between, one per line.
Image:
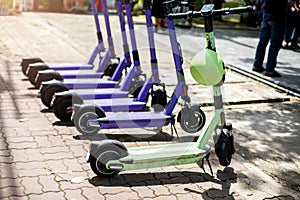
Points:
x=207 y=67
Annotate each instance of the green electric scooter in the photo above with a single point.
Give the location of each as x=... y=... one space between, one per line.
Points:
x=108 y=157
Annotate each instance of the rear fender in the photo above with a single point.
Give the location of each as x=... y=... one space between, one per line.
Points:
x=97 y=145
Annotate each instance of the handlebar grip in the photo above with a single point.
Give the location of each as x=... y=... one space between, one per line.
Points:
x=180 y=15
x=238 y=10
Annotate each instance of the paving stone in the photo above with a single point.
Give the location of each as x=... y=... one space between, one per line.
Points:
x=169 y=197
x=17 y=198
x=160 y=190
x=8 y=170
x=78 y=151
x=92 y=193
x=56 y=166
x=114 y=190
x=11 y=191
x=67 y=185
x=47 y=195
x=73 y=165
x=54 y=149
x=144 y=192
x=10 y=182
x=74 y=194
x=48 y=183
x=6 y=159
x=32 y=172
x=56 y=141
x=19 y=139
x=42 y=141
x=129 y=195
x=27 y=155
x=32 y=185
x=58 y=156
x=188 y=196
x=23 y=145
x=30 y=165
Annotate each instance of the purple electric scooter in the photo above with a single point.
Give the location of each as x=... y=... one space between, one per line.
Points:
x=130 y=86
x=37 y=76
x=108 y=64
x=89 y=120
x=62 y=110
x=99 y=48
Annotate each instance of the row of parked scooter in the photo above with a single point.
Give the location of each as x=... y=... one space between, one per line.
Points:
x=95 y=98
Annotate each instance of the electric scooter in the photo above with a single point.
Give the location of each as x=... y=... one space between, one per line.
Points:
x=108 y=157
x=36 y=76
x=90 y=121
x=40 y=65
x=62 y=109
x=131 y=85
x=106 y=67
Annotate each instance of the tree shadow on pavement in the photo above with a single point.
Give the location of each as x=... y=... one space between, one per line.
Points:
x=268 y=134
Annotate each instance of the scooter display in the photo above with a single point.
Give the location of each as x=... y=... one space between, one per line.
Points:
x=108 y=157
x=90 y=121
x=61 y=107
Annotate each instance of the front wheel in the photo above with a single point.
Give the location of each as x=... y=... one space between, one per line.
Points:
x=224 y=149
x=110 y=70
x=192 y=121
x=99 y=160
x=84 y=115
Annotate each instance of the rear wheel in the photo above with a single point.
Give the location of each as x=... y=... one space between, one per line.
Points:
x=48 y=91
x=28 y=60
x=32 y=73
x=84 y=115
x=102 y=157
x=60 y=107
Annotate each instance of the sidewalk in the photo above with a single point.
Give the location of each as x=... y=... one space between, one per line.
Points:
x=41 y=158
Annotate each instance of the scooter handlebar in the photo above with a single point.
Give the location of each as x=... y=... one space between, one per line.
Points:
x=213 y=13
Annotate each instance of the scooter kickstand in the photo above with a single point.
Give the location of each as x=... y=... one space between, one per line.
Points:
x=172 y=133
x=208 y=162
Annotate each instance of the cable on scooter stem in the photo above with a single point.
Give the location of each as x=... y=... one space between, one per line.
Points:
x=212 y=13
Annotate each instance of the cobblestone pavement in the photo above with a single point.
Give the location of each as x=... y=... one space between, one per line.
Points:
x=41 y=158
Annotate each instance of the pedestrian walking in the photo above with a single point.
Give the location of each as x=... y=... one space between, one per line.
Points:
x=292 y=26
x=271 y=30
x=159 y=14
x=296 y=31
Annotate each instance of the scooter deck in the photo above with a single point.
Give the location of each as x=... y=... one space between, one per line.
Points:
x=89 y=83
x=81 y=73
x=70 y=66
x=164 y=152
x=161 y=155
x=135 y=120
x=118 y=104
x=101 y=93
